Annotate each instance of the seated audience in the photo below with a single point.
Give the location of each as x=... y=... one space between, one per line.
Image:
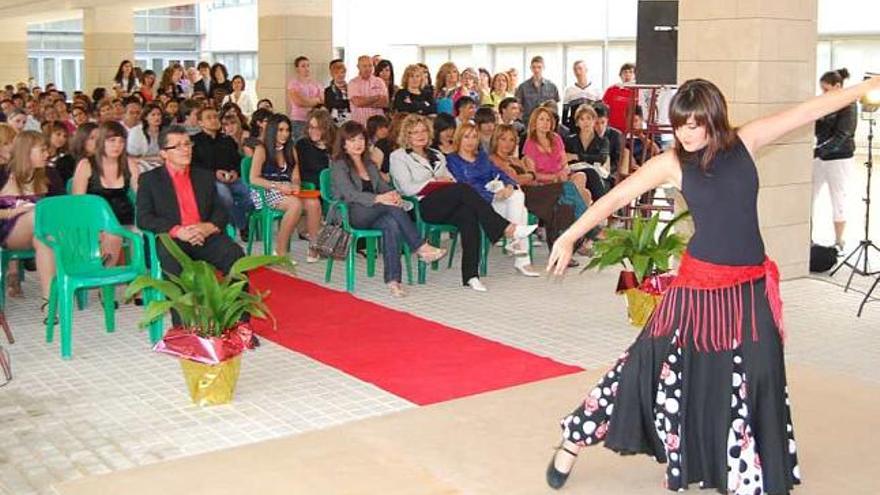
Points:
x=587 y=148
x=379 y=142
x=84 y=141
x=465 y=109
x=470 y=165
x=108 y=174
x=485 y=120
x=275 y=169
x=143 y=140
x=313 y=150
x=218 y=153
x=374 y=204
x=231 y=126
x=444 y=132
x=498 y=92
x=239 y=97
x=614 y=138
x=446 y=85
x=421 y=172
x=544 y=151
x=60 y=159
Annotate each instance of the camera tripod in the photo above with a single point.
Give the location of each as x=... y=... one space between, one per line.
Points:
x=863 y=251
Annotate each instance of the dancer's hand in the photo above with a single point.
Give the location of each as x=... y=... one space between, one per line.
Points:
x=560 y=255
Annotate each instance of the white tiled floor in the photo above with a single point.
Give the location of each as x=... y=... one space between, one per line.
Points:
x=117 y=405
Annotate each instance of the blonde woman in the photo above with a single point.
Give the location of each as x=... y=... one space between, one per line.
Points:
x=500 y=90
x=24 y=182
x=411 y=98
x=544 y=152
x=446 y=83
x=420 y=171
x=470 y=165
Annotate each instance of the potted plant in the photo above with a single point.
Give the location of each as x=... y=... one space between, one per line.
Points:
x=645 y=257
x=211 y=337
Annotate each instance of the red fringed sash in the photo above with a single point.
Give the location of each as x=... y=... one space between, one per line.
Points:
x=711 y=303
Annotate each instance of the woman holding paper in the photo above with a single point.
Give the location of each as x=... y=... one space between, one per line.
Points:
x=420 y=171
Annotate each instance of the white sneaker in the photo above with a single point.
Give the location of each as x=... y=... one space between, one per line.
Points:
x=475 y=284
x=523 y=231
x=526 y=271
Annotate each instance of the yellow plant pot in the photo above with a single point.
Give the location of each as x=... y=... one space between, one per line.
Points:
x=210 y=385
x=640 y=305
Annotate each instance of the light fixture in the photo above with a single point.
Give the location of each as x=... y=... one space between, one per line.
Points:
x=871 y=100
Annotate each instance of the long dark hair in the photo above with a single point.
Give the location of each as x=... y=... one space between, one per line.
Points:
x=702 y=100
x=223 y=71
x=271 y=142
x=148 y=109
x=131 y=77
x=106 y=131
x=349 y=130
x=78 y=142
x=379 y=68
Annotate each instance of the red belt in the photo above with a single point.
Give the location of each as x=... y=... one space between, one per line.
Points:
x=706 y=301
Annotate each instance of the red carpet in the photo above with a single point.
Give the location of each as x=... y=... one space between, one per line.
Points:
x=419 y=360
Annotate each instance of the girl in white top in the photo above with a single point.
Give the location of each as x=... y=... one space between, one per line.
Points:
x=239 y=97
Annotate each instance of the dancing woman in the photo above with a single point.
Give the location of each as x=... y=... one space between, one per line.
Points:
x=703 y=387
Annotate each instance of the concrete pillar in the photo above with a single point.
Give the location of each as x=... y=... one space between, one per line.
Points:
x=13 y=51
x=762 y=54
x=108 y=39
x=288 y=29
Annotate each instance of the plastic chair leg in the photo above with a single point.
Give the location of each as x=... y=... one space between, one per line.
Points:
x=371 y=257
x=408 y=254
x=82 y=299
x=51 y=311
x=485 y=245
x=109 y=298
x=328 y=272
x=349 y=266
x=422 y=268
x=254 y=229
x=267 y=233
x=66 y=317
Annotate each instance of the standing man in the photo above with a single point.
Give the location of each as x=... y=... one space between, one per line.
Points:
x=618 y=97
x=304 y=95
x=367 y=93
x=218 y=154
x=203 y=84
x=582 y=91
x=535 y=90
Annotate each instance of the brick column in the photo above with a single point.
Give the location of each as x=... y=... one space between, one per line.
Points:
x=108 y=39
x=762 y=54
x=288 y=29
x=13 y=51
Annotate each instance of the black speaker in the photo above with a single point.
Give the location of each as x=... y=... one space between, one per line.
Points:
x=657 y=42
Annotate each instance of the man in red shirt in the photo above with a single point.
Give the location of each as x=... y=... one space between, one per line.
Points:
x=617 y=98
x=183 y=202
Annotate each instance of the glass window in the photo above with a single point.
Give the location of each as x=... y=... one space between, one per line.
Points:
x=34 y=68
x=823 y=61
x=248 y=66
x=463 y=57
x=619 y=54
x=592 y=57
x=507 y=57
x=552 y=64
x=158 y=66
x=48 y=70
x=434 y=57
x=68 y=75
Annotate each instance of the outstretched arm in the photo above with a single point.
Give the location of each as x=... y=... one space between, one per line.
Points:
x=655 y=172
x=765 y=130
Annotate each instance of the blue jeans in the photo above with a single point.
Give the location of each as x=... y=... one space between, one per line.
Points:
x=396 y=227
x=236 y=198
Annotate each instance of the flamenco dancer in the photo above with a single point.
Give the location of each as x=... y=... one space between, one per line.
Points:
x=703 y=387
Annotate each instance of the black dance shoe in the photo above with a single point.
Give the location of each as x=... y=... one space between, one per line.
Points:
x=556 y=478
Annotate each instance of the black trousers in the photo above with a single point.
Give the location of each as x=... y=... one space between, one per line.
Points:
x=460 y=205
x=218 y=250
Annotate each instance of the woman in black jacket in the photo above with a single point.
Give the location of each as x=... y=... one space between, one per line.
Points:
x=833 y=155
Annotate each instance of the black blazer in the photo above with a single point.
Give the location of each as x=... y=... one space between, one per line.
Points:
x=157 y=207
x=200 y=86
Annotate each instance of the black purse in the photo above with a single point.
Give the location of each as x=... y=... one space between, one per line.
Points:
x=333 y=240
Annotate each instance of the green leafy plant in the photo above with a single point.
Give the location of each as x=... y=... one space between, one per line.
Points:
x=206 y=303
x=639 y=249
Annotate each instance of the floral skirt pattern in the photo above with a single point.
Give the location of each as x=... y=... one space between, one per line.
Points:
x=720 y=420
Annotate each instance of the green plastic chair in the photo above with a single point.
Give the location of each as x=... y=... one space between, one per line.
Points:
x=371 y=237
x=74 y=239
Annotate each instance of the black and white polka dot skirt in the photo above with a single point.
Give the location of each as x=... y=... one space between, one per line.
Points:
x=718 y=420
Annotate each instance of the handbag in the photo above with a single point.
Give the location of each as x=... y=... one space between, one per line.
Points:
x=332 y=240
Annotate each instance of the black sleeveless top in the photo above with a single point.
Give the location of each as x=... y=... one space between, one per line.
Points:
x=118 y=199
x=724 y=204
